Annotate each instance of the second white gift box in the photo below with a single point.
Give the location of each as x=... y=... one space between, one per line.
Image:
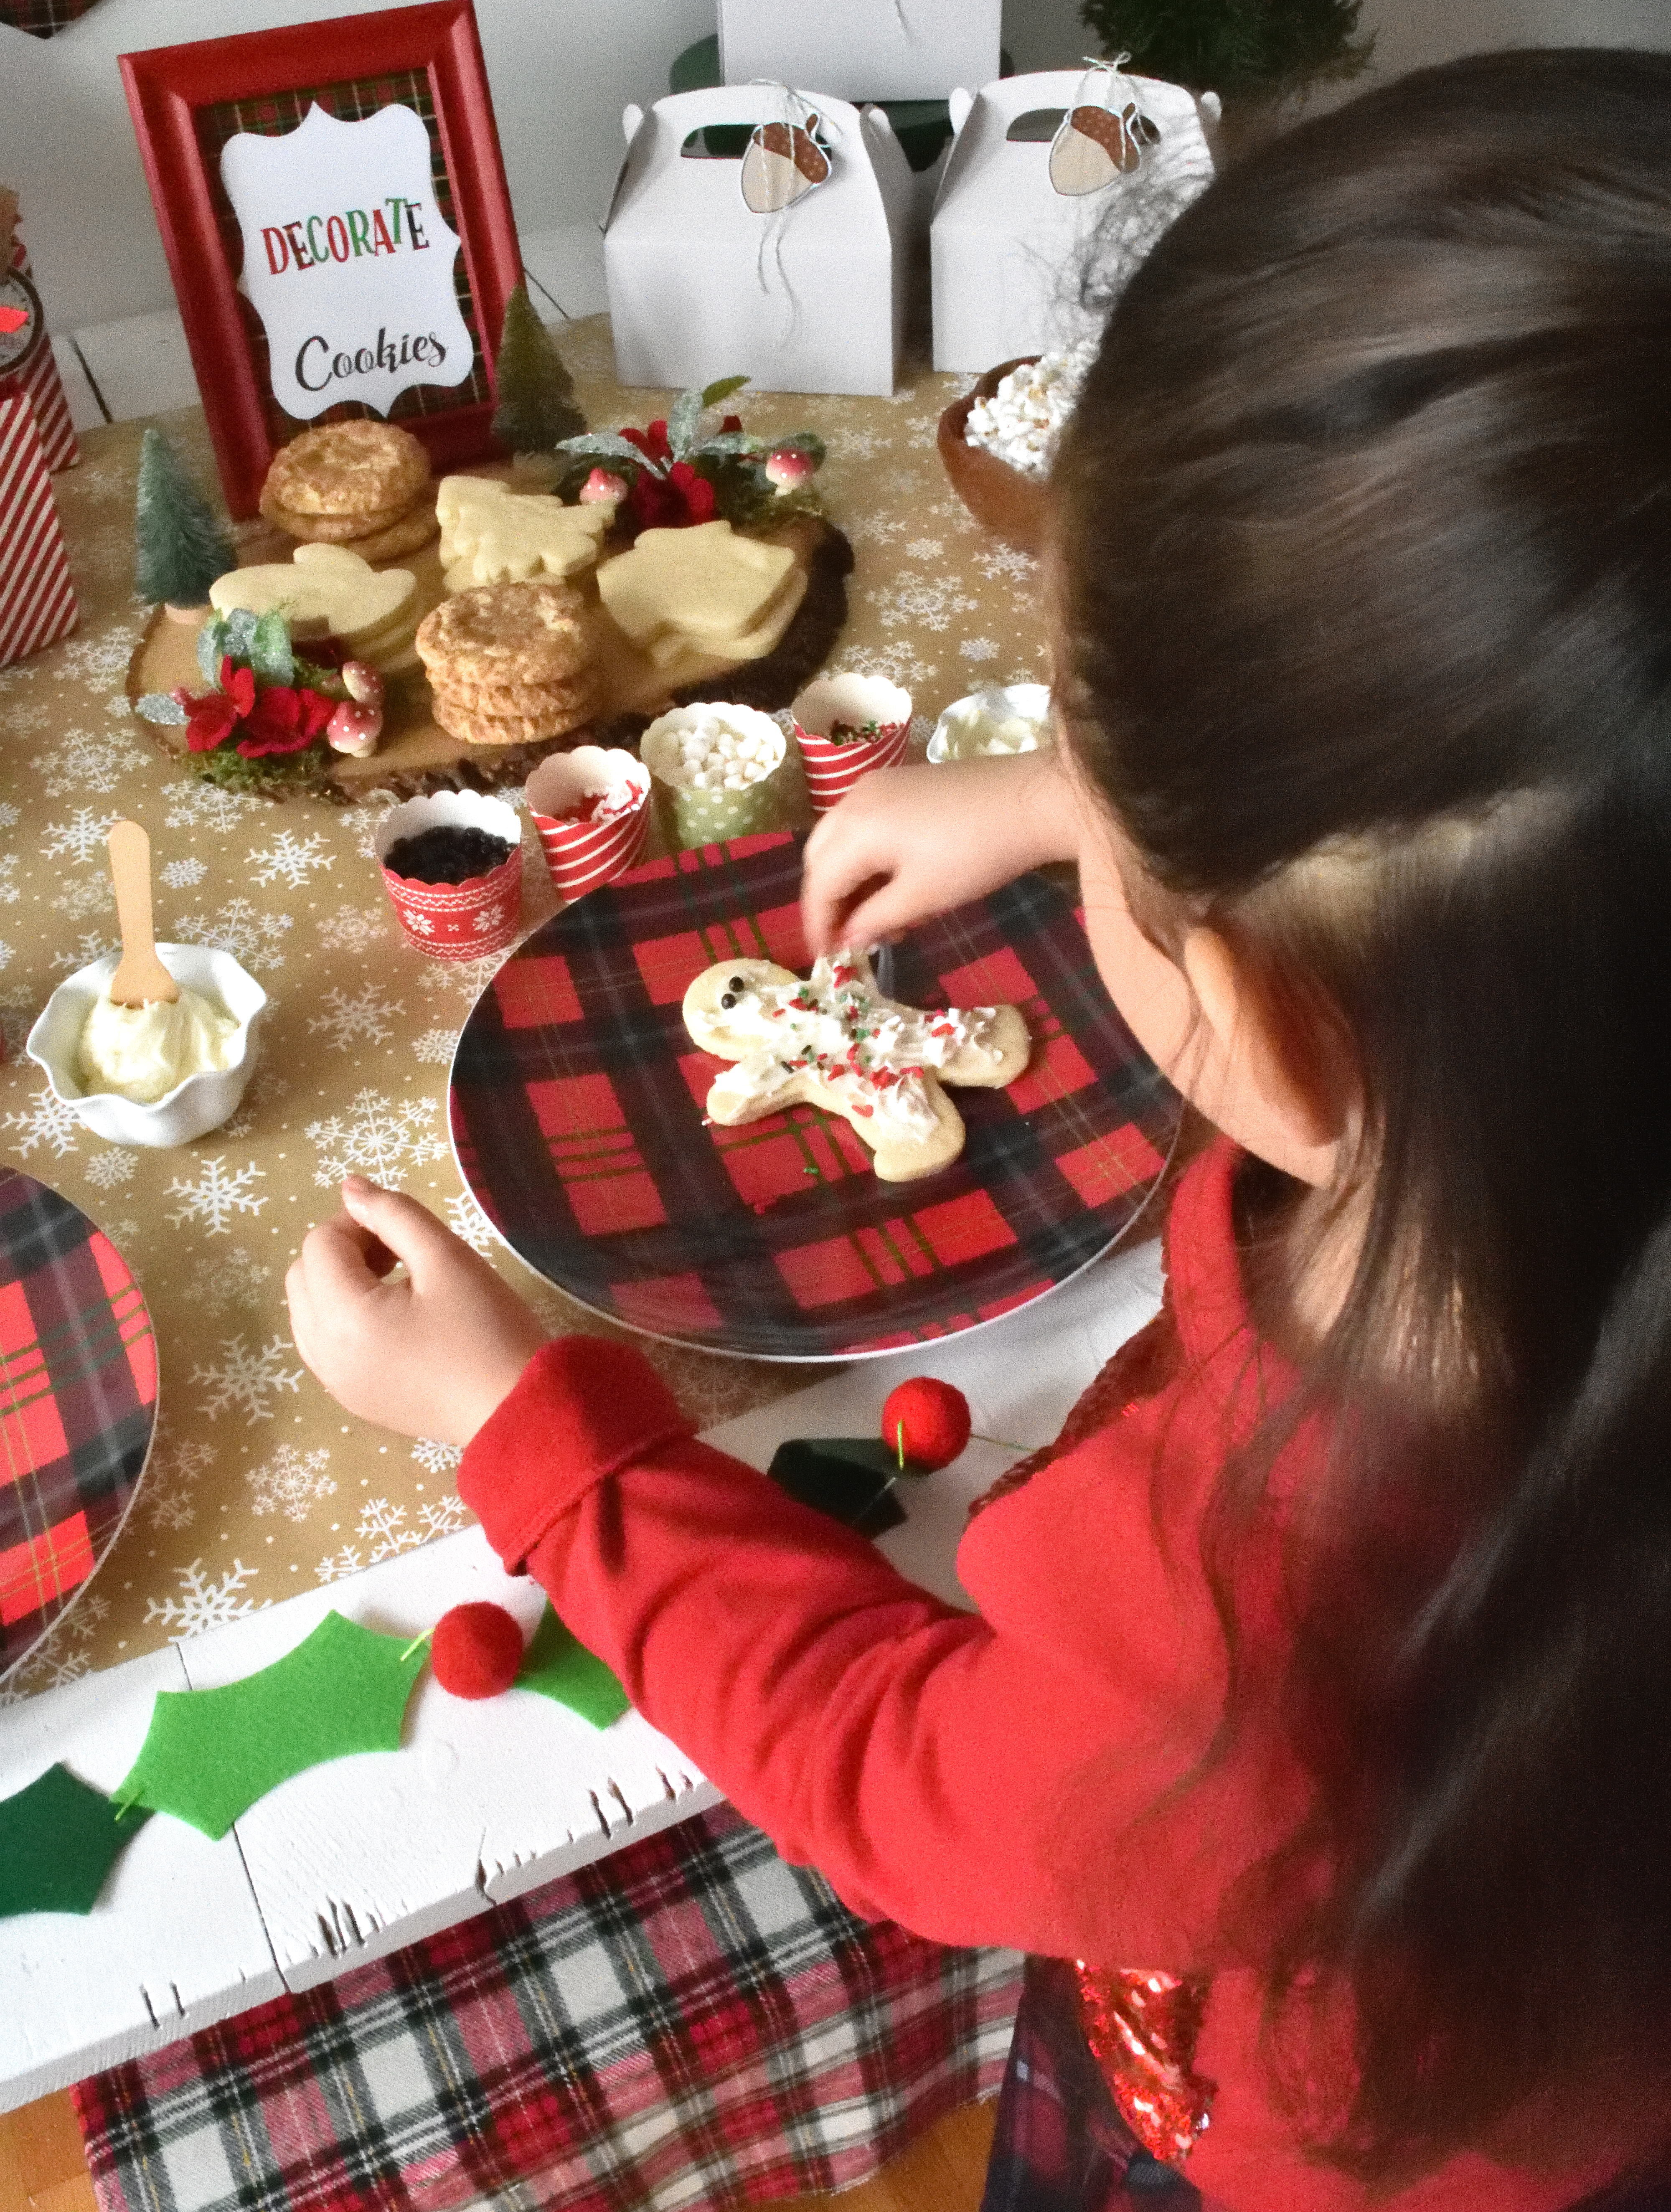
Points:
x=809 y=297
x=862 y=49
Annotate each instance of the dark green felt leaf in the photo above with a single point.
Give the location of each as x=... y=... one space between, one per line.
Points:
x=850 y=1478
x=209 y=1755
x=558 y=1665
x=58 y=1840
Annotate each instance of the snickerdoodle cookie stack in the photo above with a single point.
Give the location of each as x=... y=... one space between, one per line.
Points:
x=363 y=484
x=510 y=663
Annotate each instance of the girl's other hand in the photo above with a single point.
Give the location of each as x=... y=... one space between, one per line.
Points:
x=910 y=842
x=430 y=1352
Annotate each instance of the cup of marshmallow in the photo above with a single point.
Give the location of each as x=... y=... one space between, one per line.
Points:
x=716 y=769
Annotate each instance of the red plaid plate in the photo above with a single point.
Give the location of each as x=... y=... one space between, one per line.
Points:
x=576 y=1108
x=77 y=1405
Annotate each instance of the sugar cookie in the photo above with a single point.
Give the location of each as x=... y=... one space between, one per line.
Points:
x=834 y=1042
x=326 y=591
x=492 y=535
x=704 y=584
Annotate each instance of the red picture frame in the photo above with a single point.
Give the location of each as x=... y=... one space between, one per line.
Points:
x=180 y=98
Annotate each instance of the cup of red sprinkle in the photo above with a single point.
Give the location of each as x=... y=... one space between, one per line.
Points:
x=845 y=726
x=452 y=865
x=591 y=808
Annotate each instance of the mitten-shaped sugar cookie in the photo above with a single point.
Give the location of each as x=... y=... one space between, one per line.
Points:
x=834 y=1042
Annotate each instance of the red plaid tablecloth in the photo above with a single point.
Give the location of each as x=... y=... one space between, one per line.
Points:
x=690 y=2023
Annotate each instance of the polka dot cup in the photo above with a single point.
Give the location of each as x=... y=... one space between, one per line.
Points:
x=742 y=790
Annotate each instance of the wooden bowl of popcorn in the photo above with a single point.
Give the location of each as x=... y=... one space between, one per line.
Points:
x=1003 y=500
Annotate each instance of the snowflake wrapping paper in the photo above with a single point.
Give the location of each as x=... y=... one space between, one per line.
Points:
x=258 y=1487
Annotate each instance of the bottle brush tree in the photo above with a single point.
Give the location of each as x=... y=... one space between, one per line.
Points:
x=181 y=545
x=1235 y=47
x=537 y=406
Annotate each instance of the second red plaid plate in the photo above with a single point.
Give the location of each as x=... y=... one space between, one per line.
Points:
x=576 y=1107
x=77 y=1403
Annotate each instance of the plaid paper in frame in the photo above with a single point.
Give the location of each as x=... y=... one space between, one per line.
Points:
x=40 y=18
x=576 y=1107
x=78 y=1384
x=691 y=2022
x=274 y=116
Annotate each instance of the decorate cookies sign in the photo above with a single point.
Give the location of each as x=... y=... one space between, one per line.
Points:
x=348 y=260
x=333 y=206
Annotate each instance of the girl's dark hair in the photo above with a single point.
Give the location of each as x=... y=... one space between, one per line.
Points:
x=1364 y=535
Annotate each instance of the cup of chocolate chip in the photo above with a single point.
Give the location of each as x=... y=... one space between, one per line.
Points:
x=452 y=865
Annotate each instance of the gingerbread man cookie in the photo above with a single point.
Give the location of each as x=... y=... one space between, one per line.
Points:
x=833 y=1041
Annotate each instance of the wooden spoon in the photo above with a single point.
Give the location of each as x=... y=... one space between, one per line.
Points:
x=140 y=979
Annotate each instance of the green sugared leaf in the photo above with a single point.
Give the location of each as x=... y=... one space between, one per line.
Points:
x=270 y=655
x=212 y=647
x=604 y=445
x=241 y=633
x=159 y=707
x=712 y=394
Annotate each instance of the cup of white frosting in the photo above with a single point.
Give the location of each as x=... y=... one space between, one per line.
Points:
x=155 y=1075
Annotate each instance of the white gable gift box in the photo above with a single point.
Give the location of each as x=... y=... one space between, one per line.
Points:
x=804 y=295
x=862 y=49
x=1015 y=218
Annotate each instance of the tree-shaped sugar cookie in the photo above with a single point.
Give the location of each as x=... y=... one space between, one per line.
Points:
x=492 y=535
x=833 y=1041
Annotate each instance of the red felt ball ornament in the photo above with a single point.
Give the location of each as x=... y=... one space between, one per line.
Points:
x=476 y=1651
x=931 y=1420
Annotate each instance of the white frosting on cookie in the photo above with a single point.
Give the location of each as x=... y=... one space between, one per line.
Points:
x=871 y=1050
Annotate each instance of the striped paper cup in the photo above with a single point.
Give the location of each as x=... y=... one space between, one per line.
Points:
x=456 y=921
x=870 y=705
x=591 y=808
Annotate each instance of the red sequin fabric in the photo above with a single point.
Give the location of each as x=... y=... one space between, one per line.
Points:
x=1143 y=2029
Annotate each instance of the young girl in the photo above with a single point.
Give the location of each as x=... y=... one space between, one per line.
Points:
x=1311 y=1734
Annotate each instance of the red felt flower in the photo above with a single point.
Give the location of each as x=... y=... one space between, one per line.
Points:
x=652 y=443
x=284 y=721
x=673 y=501
x=730 y=422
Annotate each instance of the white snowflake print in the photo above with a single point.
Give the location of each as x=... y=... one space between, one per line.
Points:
x=997 y=561
x=421 y=923
x=116 y=1164
x=856 y=445
x=469 y=977
x=357 y=1017
x=9 y=893
x=925 y=549
x=437 y=1046
x=465 y=1218
x=195 y=804
x=102 y=655
x=352 y=929
x=436 y=1458
x=293 y=858
x=234 y=1277
x=81 y=838
x=874 y=528
x=930 y=600
x=246 y=1378
x=379 y=1136
x=382 y=1527
x=202 y=1603
x=171 y=1482
x=10 y=816
x=363 y=826
x=92 y=895
x=340 y=1565
x=490 y=917
x=180 y=875
x=897 y=661
x=7 y=954
x=290 y=1482
x=440 y=1516
x=49 y=1120
x=83 y=760
x=63 y=1654
x=979 y=648
x=249 y=936
x=91 y=945
x=215 y=1196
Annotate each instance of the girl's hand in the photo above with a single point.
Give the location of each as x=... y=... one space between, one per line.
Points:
x=428 y=1353
x=908 y=842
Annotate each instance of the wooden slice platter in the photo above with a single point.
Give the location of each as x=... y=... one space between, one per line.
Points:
x=418 y=756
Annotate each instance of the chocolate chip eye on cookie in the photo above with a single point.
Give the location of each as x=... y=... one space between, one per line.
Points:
x=833 y=1041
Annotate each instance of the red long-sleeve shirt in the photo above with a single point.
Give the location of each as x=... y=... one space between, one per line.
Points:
x=990 y=1779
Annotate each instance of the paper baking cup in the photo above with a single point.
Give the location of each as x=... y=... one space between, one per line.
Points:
x=712 y=817
x=832 y=769
x=456 y=921
x=581 y=856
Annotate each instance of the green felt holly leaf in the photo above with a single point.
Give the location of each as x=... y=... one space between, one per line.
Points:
x=209 y=1754
x=558 y=1665
x=852 y=1479
x=58 y=1840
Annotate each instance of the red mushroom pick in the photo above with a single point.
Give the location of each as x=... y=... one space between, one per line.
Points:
x=476 y=1651
x=927 y=1421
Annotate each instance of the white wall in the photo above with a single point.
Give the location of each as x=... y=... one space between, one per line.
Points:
x=561 y=72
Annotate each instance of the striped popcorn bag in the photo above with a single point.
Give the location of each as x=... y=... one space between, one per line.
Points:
x=26 y=362
x=37 y=598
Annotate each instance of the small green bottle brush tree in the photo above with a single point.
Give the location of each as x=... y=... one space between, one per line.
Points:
x=1238 y=48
